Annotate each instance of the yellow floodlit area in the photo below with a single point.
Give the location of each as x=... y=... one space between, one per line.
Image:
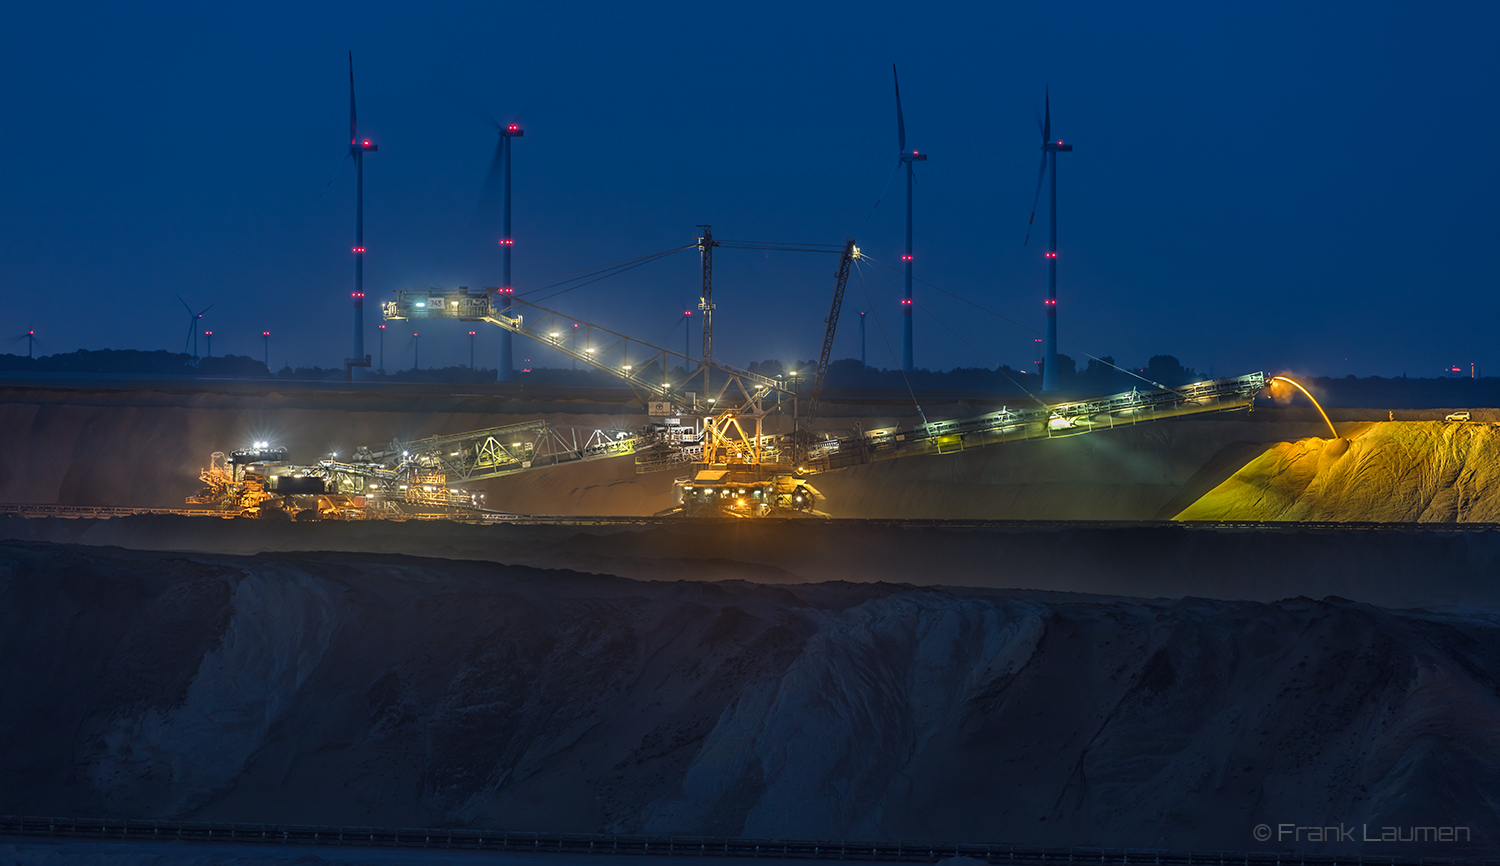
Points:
x=1277 y=380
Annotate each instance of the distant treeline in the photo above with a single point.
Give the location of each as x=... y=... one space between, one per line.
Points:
x=1374 y=392
x=1095 y=378
x=134 y=362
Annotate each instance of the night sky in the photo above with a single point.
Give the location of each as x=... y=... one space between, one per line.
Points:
x=1307 y=187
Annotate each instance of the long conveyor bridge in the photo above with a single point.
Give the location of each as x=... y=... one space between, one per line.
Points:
x=1039 y=422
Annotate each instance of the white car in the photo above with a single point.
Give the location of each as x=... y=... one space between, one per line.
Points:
x=1458 y=416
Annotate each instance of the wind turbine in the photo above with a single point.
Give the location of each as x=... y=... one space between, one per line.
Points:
x=30 y=338
x=1050 y=150
x=908 y=159
x=357 y=149
x=500 y=170
x=193 y=319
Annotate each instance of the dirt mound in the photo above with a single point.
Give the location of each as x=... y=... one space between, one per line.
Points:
x=1403 y=471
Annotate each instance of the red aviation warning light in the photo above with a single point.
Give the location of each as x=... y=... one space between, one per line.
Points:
x=906 y=258
x=505 y=242
x=1052 y=255
x=358 y=249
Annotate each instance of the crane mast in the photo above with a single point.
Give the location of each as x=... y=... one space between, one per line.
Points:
x=846 y=262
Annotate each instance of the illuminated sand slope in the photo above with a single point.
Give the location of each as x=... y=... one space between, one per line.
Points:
x=398 y=691
x=1417 y=471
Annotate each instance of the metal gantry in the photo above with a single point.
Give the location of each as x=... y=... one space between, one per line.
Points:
x=1040 y=422
x=734 y=402
x=495 y=452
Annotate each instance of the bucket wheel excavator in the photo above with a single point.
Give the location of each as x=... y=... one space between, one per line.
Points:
x=737 y=468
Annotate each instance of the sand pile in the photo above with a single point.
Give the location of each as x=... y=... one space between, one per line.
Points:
x=397 y=691
x=1418 y=472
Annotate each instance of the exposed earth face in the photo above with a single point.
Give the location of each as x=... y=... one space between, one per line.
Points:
x=363 y=689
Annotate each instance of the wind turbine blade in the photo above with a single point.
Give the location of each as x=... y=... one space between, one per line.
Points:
x=1040 y=176
x=347 y=157
x=885 y=189
x=206 y=309
x=184 y=304
x=489 y=194
x=900 y=121
x=1047 y=122
x=353 y=127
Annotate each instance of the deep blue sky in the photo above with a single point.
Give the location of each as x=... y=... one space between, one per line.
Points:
x=1303 y=186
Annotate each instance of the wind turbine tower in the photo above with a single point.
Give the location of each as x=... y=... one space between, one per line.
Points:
x=357 y=149
x=908 y=159
x=501 y=160
x=1050 y=150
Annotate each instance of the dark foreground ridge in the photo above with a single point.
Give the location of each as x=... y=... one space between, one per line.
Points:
x=1452 y=566
x=664 y=846
x=349 y=689
x=44 y=510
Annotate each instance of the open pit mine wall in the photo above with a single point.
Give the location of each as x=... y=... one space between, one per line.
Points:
x=402 y=692
x=1453 y=570
x=145 y=448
